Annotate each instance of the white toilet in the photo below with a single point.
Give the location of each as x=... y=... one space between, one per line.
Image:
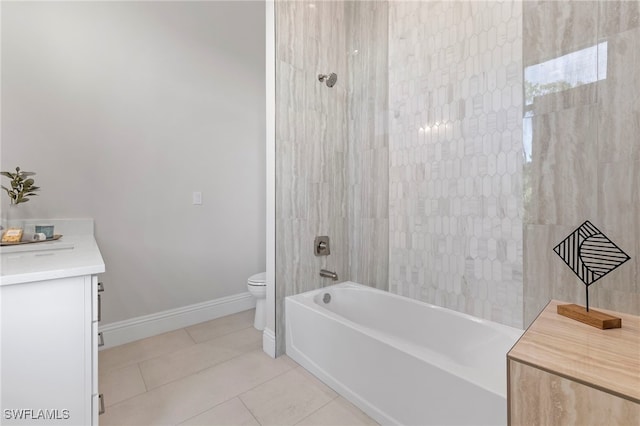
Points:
x=258 y=288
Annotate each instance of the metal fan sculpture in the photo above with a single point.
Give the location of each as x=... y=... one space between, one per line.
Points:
x=591 y=256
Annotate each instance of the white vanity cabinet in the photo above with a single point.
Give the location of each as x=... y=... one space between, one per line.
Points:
x=49 y=340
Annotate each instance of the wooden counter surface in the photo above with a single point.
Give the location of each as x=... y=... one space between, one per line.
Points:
x=608 y=360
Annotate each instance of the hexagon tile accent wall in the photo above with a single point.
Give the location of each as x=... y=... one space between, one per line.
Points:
x=455 y=147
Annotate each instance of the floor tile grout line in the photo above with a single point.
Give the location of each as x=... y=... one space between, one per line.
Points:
x=198 y=372
x=249 y=409
x=235 y=396
x=337 y=395
x=291 y=367
x=106 y=396
x=169 y=353
x=239 y=353
x=268 y=380
x=172 y=351
x=248 y=325
x=142 y=376
x=216 y=319
x=316 y=410
x=181 y=378
x=190 y=336
x=205 y=368
x=221 y=335
x=281 y=374
x=146 y=359
x=332 y=399
x=204 y=411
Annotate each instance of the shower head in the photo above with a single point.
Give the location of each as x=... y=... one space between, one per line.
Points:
x=330 y=79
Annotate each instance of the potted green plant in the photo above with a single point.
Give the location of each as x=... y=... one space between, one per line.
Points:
x=22 y=186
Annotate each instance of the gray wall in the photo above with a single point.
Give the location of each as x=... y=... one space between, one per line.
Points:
x=584 y=155
x=123 y=109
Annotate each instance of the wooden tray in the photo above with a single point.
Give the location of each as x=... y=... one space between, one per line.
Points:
x=55 y=237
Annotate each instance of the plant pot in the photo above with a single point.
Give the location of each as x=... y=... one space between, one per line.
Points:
x=10 y=216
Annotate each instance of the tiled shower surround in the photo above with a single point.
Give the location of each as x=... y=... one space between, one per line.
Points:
x=311 y=148
x=455 y=142
x=368 y=142
x=331 y=146
x=421 y=168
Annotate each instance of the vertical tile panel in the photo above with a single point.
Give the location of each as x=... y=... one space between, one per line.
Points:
x=311 y=148
x=368 y=142
x=585 y=151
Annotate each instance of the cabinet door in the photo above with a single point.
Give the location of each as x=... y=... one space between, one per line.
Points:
x=45 y=364
x=94 y=297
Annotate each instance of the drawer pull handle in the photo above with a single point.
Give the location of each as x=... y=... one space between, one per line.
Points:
x=100 y=287
x=100 y=339
x=99 y=308
x=101 y=398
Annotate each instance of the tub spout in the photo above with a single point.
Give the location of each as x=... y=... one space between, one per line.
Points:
x=328 y=274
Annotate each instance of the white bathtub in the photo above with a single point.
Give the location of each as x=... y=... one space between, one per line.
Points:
x=400 y=360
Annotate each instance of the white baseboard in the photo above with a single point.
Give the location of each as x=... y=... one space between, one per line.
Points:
x=269 y=342
x=121 y=332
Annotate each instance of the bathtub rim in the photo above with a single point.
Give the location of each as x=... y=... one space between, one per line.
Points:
x=440 y=361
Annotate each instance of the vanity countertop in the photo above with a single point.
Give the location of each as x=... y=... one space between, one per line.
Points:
x=72 y=255
x=608 y=360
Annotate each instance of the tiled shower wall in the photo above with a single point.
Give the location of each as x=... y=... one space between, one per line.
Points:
x=454 y=159
x=368 y=159
x=455 y=142
x=331 y=146
x=311 y=148
x=581 y=145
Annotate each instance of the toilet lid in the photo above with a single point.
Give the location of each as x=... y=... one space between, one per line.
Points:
x=257 y=279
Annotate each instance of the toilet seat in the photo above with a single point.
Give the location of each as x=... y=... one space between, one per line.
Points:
x=257 y=279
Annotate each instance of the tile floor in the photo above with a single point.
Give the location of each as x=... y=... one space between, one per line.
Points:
x=214 y=373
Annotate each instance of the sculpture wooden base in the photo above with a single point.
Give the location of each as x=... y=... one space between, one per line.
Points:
x=593 y=318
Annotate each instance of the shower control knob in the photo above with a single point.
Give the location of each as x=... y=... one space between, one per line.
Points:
x=321 y=246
